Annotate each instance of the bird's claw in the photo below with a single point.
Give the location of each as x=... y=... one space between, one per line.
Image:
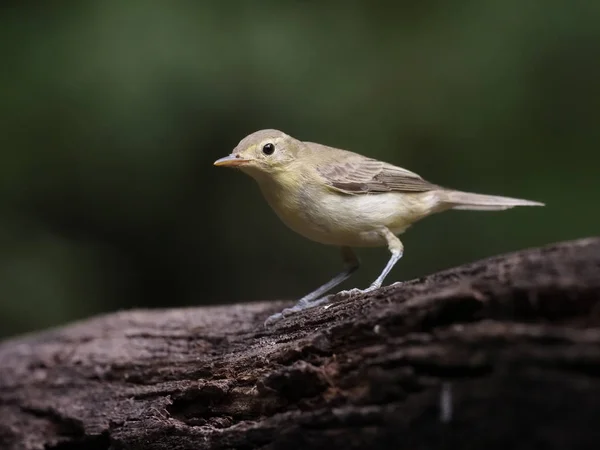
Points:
x=274 y=318
x=355 y=291
x=300 y=306
x=349 y=293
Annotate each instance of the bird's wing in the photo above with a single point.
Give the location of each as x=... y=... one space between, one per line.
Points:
x=356 y=174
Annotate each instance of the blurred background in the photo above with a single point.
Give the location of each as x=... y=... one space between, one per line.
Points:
x=112 y=113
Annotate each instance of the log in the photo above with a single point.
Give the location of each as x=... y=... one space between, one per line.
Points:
x=500 y=353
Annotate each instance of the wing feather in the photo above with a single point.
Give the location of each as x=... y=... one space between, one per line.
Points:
x=357 y=174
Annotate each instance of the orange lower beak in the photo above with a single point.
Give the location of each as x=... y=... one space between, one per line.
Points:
x=230 y=161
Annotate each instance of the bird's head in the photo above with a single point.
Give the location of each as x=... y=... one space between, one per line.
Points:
x=265 y=152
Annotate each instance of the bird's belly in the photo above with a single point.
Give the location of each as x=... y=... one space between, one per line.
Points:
x=353 y=220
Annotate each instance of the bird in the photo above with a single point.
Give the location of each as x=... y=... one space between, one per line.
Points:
x=341 y=198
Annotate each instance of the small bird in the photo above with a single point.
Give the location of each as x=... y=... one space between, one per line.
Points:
x=341 y=198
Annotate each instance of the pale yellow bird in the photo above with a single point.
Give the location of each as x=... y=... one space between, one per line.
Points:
x=341 y=198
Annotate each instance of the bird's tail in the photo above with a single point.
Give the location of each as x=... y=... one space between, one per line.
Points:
x=480 y=202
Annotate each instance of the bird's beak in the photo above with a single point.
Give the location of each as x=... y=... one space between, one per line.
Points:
x=230 y=161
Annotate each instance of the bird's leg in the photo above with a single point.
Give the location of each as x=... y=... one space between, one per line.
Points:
x=351 y=264
x=396 y=249
x=315 y=298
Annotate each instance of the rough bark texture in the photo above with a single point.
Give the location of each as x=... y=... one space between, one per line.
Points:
x=509 y=345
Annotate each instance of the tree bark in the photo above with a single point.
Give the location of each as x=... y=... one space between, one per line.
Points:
x=500 y=353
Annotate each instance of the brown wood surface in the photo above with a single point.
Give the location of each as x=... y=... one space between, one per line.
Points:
x=512 y=342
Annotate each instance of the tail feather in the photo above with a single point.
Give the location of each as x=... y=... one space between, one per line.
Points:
x=481 y=202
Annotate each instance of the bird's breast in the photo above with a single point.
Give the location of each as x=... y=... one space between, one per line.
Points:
x=327 y=216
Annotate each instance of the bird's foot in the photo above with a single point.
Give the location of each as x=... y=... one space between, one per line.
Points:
x=273 y=319
x=355 y=291
x=300 y=306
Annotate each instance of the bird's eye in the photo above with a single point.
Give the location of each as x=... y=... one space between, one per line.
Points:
x=268 y=149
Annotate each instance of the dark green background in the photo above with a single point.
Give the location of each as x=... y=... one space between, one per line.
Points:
x=112 y=113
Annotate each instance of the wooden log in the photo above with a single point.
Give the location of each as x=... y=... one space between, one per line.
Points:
x=500 y=353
